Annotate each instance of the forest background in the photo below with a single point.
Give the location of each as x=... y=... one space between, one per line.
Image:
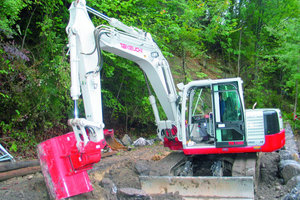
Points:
x=257 y=40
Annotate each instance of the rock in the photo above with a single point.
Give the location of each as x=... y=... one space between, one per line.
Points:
x=284 y=163
x=287 y=155
x=294 y=194
x=293 y=182
x=129 y=148
x=290 y=143
x=142 y=167
x=132 y=194
x=142 y=142
x=109 y=185
x=126 y=140
x=119 y=141
x=278 y=188
x=156 y=157
x=289 y=169
x=278 y=196
x=295 y=156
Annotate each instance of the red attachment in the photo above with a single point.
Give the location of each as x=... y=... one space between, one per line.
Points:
x=172 y=131
x=109 y=132
x=65 y=168
x=173 y=144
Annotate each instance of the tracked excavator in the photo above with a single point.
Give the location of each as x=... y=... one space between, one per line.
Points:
x=206 y=120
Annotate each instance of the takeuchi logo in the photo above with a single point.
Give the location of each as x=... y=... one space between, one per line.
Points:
x=131 y=48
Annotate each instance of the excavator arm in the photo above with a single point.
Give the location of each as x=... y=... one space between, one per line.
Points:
x=151 y=61
x=66 y=158
x=86 y=43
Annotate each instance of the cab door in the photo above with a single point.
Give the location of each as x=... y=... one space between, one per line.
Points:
x=228 y=115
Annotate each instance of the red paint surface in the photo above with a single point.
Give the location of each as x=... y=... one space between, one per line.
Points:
x=65 y=168
x=272 y=143
x=173 y=144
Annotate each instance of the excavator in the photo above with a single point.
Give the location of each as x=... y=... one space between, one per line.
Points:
x=203 y=117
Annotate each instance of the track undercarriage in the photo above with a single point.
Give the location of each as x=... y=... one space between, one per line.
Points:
x=232 y=176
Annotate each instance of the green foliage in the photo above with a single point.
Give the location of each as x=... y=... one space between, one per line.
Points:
x=34 y=81
x=293 y=120
x=34 y=74
x=32 y=100
x=201 y=75
x=127 y=100
x=269 y=51
x=9 y=14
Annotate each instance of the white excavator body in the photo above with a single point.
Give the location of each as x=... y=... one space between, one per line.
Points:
x=203 y=117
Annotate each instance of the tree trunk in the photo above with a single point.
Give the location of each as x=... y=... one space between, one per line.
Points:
x=257 y=34
x=241 y=25
x=296 y=99
x=25 y=32
x=239 y=55
x=184 y=65
x=17 y=165
x=113 y=111
x=19 y=172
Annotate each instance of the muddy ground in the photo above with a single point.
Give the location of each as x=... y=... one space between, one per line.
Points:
x=119 y=172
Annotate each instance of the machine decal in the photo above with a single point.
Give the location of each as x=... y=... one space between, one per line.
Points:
x=236 y=143
x=131 y=48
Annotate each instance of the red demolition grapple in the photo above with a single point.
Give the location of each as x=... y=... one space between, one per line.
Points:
x=65 y=167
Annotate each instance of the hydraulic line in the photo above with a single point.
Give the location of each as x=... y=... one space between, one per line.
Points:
x=95 y=12
x=147 y=83
x=97 y=36
x=76 y=112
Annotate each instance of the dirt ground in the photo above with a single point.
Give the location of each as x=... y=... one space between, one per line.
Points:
x=118 y=171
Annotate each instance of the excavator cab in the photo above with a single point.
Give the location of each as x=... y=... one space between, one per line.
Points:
x=214 y=120
x=229 y=115
x=215 y=114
